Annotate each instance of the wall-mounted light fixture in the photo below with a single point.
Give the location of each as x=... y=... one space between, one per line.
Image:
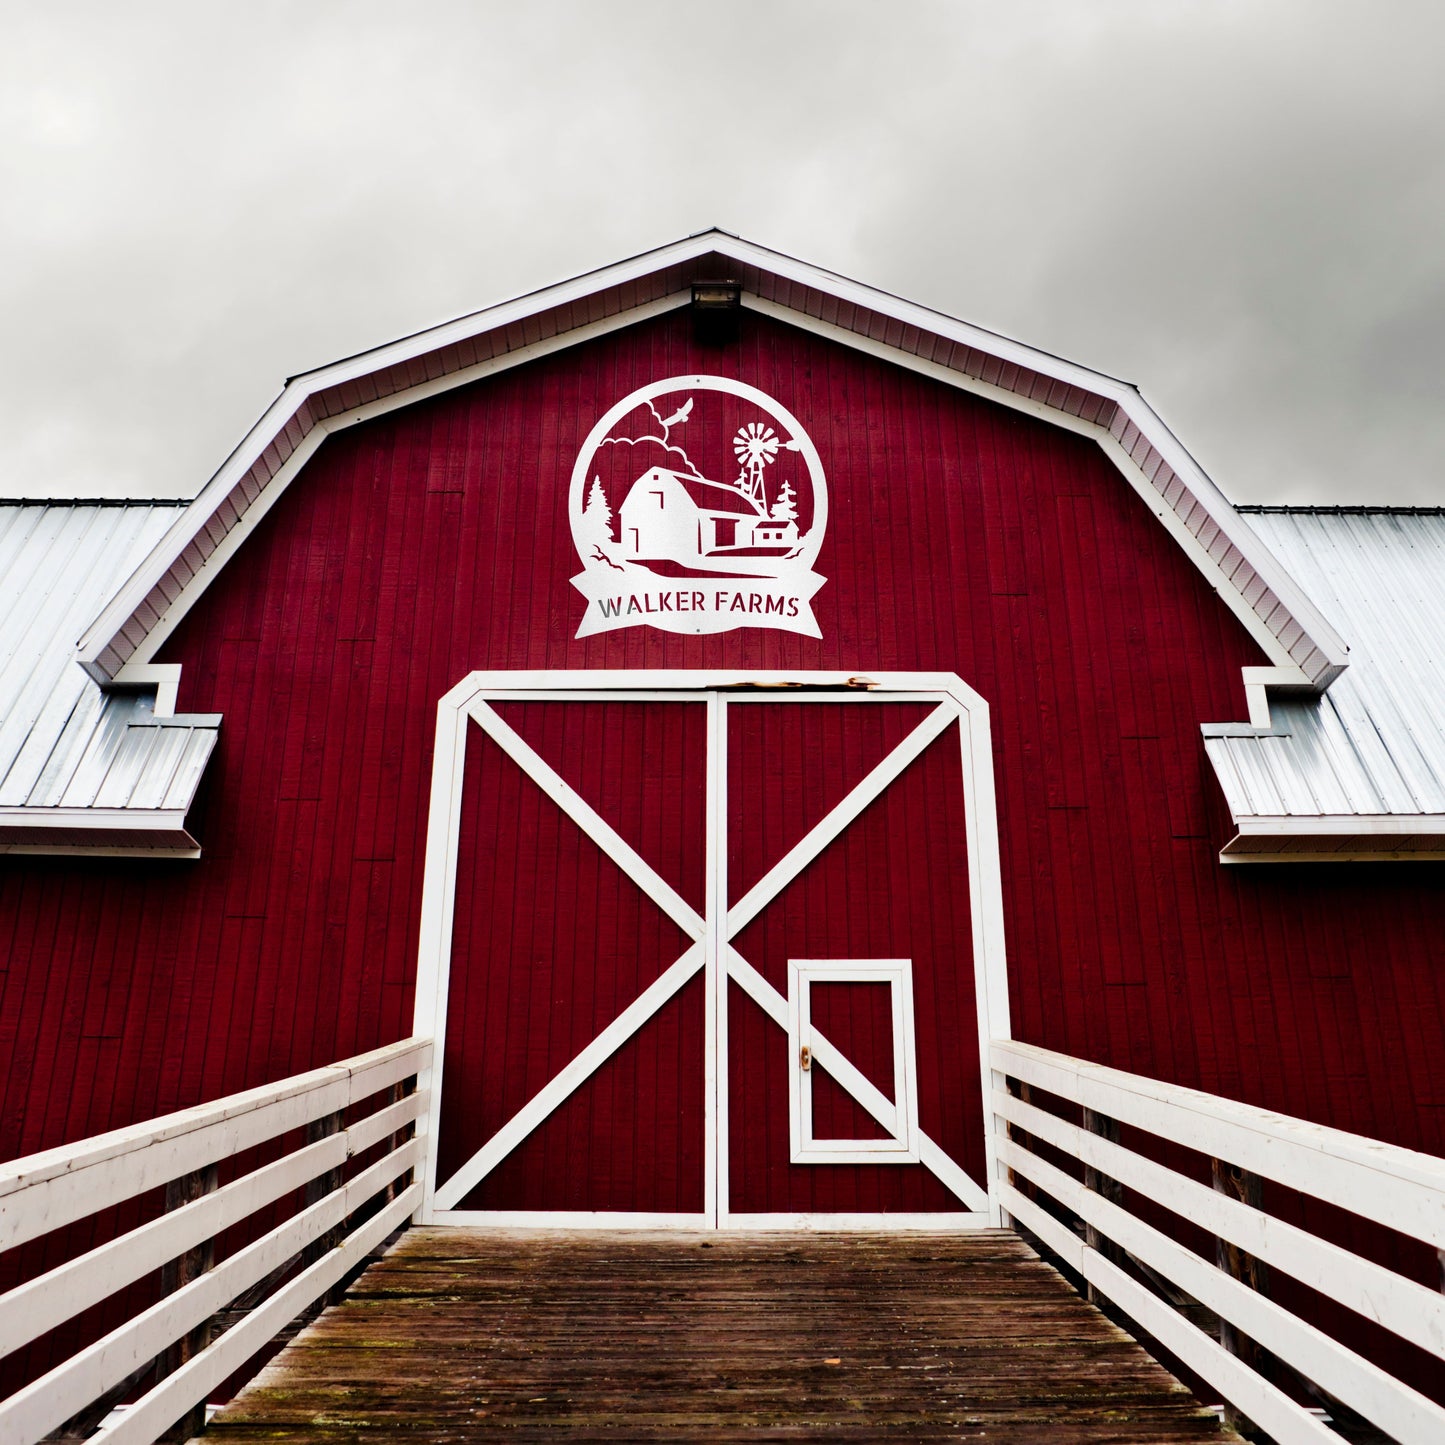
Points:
x=717 y=311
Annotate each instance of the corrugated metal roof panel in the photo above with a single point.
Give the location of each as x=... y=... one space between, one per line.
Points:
x=1374 y=745
x=188 y=771
x=64 y=742
x=23 y=784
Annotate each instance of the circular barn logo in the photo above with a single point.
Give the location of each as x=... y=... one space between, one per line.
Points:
x=698 y=505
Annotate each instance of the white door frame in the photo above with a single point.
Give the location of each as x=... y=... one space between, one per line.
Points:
x=710 y=949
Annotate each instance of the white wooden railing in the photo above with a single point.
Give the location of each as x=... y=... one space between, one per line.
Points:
x=339 y=1221
x=1120 y=1253
x=164 y=1356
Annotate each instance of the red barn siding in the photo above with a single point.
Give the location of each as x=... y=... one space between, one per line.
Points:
x=962 y=537
x=791 y=764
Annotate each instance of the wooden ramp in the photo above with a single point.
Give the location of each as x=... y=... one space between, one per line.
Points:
x=529 y=1335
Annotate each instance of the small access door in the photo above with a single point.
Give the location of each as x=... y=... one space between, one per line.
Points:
x=817 y=1135
x=710 y=955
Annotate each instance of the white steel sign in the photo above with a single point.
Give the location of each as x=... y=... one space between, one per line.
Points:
x=698 y=504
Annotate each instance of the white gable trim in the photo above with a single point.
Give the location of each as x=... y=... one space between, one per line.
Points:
x=1283 y=670
x=185 y=538
x=1303 y=649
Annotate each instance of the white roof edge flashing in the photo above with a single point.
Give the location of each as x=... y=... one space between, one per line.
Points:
x=135 y=620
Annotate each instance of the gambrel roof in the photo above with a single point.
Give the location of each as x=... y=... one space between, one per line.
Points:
x=1303 y=648
x=706 y=496
x=1305 y=652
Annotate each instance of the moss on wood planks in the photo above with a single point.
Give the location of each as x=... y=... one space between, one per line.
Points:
x=637 y=1336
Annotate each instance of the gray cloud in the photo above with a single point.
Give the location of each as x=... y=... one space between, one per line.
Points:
x=1238 y=206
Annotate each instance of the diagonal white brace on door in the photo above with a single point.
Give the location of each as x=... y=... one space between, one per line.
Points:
x=586 y=817
x=868 y=791
x=561 y=1086
x=857 y=1084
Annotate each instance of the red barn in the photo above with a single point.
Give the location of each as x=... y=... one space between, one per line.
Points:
x=715 y=701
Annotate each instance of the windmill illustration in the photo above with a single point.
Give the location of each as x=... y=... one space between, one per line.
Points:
x=755 y=446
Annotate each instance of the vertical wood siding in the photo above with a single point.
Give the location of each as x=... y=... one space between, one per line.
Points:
x=551 y=941
x=858 y=1019
x=962 y=537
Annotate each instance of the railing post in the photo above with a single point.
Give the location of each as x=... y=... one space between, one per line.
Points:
x=396 y=1094
x=1100 y=1183
x=1017 y=1134
x=319 y=1188
x=1237 y=1183
x=179 y=1272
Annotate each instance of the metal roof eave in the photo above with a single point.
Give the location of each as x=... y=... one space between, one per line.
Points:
x=1342 y=838
x=103 y=832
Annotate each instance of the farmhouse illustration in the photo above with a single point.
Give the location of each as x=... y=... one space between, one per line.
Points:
x=673 y=517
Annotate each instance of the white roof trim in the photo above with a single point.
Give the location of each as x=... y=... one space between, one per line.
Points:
x=46 y=819
x=97 y=832
x=1326 y=825
x=1336 y=838
x=1303 y=649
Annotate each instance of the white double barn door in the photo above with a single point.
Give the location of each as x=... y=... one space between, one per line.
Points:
x=704 y=953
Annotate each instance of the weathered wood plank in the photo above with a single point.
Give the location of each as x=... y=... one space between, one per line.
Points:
x=530 y=1335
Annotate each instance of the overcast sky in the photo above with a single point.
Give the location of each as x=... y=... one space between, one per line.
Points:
x=1240 y=207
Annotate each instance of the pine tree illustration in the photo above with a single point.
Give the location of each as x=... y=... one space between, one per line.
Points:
x=597 y=514
x=783 y=508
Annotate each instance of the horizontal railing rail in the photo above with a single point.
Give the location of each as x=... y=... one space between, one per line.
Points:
x=1123 y=1256
x=339 y=1222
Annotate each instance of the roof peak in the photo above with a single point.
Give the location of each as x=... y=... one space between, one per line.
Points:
x=1301 y=646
